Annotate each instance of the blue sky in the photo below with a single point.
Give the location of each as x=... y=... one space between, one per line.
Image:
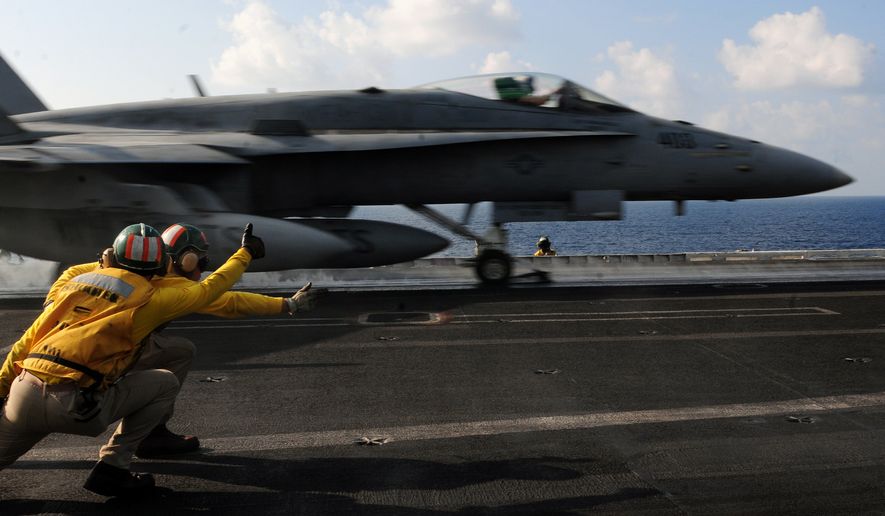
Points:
x=808 y=76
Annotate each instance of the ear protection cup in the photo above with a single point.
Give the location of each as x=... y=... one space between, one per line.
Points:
x=108 y=259
x=188 y=262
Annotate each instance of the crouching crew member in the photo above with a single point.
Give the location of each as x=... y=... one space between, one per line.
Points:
x=71 y=372
x=188 y=250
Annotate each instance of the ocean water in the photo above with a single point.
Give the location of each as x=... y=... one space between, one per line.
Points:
x=822 y=222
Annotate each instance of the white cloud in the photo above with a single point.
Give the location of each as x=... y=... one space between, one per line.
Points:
x=852 y=120
x=847 y=132
x=503 y=62
x=441 y=27
x=790 y=124
x=643 y=80
x=861 y=101
x=795 y=49
x=333 y=50
x=339 y=49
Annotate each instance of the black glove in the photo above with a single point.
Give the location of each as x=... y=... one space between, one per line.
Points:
x=252 y=243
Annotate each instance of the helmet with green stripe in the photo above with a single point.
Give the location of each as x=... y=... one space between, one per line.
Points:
x=140 y=249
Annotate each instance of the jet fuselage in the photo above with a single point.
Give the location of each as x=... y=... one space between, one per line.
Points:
x=320 y=153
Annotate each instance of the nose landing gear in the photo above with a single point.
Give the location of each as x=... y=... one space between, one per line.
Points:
x=492 y=265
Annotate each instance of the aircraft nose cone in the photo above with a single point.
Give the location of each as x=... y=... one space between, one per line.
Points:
x=840 y=178
x=826 y=177
x=800 y=174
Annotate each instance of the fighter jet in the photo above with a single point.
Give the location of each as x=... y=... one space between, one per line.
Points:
x=538 y=146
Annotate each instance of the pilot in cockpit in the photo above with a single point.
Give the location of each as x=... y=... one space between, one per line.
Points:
x=519 y=89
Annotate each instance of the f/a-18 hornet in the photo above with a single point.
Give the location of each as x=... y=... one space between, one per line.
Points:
x=538 y=146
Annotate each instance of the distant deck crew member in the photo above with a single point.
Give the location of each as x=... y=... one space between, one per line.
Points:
x=544 y=248
x=72 y=370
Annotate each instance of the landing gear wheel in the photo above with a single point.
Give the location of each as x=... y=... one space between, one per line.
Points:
x=493 y=267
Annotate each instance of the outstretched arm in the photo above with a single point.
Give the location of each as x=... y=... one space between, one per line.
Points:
x=167 y=304
x=243 y=304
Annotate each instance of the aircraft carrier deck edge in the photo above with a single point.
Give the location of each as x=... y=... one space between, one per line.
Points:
x=31 y=278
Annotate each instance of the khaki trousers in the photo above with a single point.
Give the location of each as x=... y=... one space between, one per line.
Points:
x=168 y=352
x=141 y=400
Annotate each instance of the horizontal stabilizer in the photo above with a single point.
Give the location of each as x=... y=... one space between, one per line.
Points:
x=11 y=133
x=51 y=155
x=8 y=128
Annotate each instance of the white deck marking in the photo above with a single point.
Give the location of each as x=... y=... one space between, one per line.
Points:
x=645 y=315
x=538 y=341
x=300 y=440
x=661 y=312
x=742 y=296
x=234 y=326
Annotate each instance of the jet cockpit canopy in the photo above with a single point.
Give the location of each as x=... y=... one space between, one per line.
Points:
x=529 y=88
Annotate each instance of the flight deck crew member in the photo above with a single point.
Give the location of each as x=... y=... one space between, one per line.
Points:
x=74 y=362
x=188 y=250
x=544 y=248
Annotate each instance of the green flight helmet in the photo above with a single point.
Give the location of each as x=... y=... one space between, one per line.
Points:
x=140 y=249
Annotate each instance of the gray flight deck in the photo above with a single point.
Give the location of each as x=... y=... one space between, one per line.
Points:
x=709 y=387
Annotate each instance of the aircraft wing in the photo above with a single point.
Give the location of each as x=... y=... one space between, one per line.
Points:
x=350 y=142
x=245 y=144
x=73 y=145
x=373 y=141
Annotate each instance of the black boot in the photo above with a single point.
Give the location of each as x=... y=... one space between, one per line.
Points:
x=162 y=442
x=110 y=480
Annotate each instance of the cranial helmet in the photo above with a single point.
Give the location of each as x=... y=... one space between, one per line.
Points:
x=188 y=247
x=139 y=248
x=179 y=237
x=543 y=242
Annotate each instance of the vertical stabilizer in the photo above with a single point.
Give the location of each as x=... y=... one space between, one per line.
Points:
x=15 y=96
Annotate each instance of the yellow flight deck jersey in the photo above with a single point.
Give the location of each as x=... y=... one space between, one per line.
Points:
x=229 y=305
x=165 y=304
x=96 y=307
x=540 y=252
